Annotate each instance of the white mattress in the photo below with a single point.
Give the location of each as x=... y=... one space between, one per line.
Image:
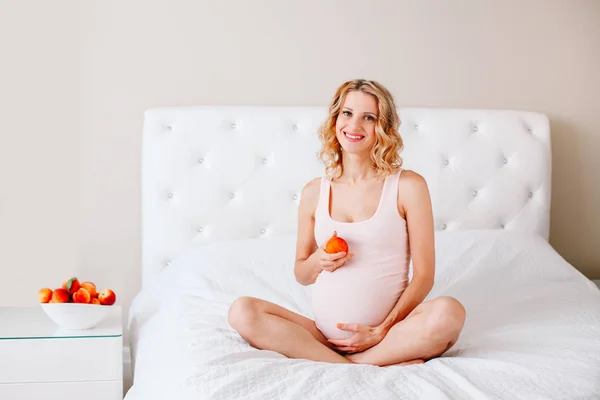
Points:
x=532 y=329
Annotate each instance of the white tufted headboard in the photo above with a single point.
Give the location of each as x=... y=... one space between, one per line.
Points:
x=215 y=173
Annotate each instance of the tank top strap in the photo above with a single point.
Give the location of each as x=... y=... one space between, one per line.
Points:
x=390 y=201
x=323 y=204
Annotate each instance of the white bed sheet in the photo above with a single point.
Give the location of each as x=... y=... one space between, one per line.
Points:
x=532 y=329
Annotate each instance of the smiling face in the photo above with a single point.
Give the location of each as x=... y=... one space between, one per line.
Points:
x=356 y=122
x=363 y=121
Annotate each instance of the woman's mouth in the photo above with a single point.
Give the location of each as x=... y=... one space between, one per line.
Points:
x=352 y=137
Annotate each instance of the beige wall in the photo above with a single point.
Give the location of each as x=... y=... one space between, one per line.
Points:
x=77 y=77
x=40 y=152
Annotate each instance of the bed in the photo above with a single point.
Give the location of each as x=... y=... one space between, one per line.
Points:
x=220 y=191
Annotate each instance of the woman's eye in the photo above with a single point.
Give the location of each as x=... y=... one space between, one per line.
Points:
x=370 y=118
x=346 y=113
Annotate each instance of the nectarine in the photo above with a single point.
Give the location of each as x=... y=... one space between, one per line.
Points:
x=336 y=244
x=45 y=295
x=81 y=296
x=60 y=295
x=71 y=285
x=107 y=297
x=91 y=288
x=95 y=300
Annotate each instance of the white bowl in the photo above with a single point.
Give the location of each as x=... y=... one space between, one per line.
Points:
x=75 y=316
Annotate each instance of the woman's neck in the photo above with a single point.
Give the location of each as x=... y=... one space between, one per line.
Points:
x=356 y=168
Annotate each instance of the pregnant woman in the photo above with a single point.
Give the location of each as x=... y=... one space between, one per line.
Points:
x=366 y=311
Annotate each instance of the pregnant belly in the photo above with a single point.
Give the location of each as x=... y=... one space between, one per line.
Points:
x=353 y=296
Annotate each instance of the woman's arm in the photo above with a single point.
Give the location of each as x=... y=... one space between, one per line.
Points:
x=310 y=259
x=305 y=270
x=415 y=202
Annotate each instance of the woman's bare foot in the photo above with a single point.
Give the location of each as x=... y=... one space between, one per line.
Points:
x=435 y=326
x=404 y=363
x=419 y=361
x=268 y=326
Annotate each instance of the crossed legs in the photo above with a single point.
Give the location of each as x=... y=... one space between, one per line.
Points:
x=268 y=326
x=427 y=332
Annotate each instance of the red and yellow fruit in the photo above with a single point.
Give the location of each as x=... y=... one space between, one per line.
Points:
x=60 y=295
x=91 y=288
x=81 y=296
x=335 y=245
x=71 y=285
x=72 y=291
x=45 y=295
x=107 y=297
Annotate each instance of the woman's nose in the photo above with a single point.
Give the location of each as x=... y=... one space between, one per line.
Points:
x=355 y=122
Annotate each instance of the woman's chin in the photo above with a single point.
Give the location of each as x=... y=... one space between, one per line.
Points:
x=356 y=151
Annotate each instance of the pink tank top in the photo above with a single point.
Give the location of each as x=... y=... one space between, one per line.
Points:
x=365 y=289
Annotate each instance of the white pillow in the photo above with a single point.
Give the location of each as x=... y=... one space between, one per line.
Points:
x=262 y=267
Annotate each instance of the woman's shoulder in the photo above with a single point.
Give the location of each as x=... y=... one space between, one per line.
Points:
x=309 y=197
x=312 y=188
x=411 y=182
x=410 y=177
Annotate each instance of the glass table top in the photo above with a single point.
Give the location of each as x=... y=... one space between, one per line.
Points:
x=17 y=323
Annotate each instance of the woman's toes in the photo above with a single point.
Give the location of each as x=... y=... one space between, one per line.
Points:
x=411 y=362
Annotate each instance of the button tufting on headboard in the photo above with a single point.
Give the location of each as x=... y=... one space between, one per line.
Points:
x=237 y=172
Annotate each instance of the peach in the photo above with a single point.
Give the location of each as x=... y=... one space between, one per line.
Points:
x=95 y=300
x=71 y=285
x=81 y=296
x=60 y=295
x=336 y=244
x=45 y=295
x=91 y=288
x=107 y=297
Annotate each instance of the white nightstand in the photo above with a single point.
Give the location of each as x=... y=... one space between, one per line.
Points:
x=40 y=361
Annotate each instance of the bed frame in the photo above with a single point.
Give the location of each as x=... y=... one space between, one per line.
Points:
x=223 y=172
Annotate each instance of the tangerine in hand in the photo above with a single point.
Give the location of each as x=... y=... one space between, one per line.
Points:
x=336 y=244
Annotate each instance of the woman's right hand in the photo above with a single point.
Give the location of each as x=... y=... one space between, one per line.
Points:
x=329 y=262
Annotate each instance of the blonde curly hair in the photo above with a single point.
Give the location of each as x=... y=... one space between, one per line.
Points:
x=385 y=154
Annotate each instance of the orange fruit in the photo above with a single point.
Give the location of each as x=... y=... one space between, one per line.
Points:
x=336 y=244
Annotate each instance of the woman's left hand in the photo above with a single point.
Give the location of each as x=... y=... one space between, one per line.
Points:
x=364 y=338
